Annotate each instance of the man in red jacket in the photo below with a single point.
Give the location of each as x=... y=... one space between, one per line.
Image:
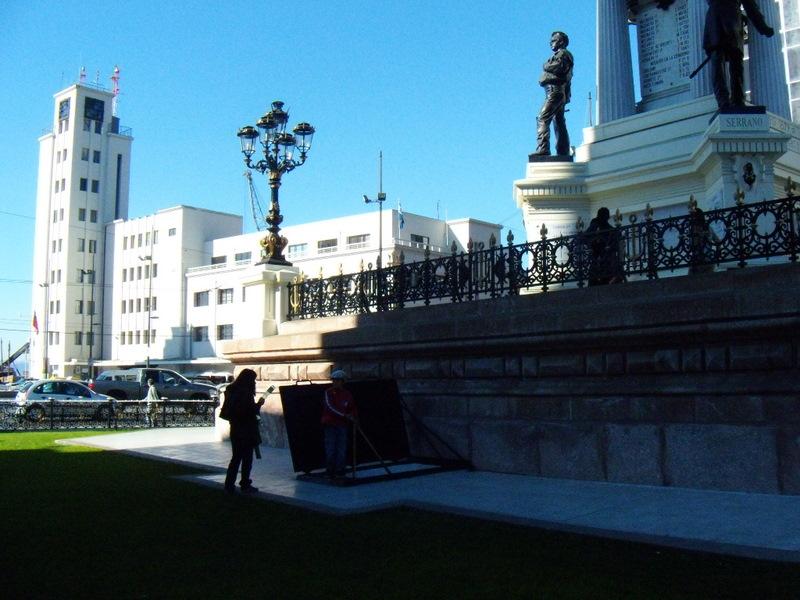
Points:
x=338 y=412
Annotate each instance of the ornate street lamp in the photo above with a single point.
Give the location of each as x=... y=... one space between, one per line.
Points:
x=279 y=149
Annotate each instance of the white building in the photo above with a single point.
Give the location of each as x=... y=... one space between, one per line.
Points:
x=167 y=288
x=790 y=28
x=84 y=173
x=231 y=296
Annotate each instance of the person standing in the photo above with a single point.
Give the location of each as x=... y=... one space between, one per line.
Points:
x=152 y=402
x=242 y=413
x=338 y=413
x=723 y=41
x=556 y=81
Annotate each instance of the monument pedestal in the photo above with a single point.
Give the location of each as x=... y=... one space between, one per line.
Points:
x=661 y=158
x=267 y=285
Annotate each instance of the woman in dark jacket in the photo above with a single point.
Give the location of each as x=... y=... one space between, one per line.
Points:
x=243 y=417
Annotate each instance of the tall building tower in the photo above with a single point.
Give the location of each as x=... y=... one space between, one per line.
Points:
x=83 y=181
x=790 y=28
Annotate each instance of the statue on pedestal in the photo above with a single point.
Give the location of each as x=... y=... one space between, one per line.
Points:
x=555 y=80
x=723 y=41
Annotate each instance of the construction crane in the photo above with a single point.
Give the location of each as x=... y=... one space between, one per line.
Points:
x=256 y=207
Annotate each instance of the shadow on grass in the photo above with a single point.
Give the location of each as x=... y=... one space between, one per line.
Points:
x=87 y=523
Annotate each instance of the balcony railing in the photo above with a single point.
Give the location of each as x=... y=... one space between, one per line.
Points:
x=699 y=241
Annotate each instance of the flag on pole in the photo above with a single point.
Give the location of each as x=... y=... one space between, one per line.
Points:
x=400 y=219
x=35 y=324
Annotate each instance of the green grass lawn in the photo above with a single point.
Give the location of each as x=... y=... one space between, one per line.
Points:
x=80 y=522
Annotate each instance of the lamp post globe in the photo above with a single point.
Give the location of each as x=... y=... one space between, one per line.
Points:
x=282 y=152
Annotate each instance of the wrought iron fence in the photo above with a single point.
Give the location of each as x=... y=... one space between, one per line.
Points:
x=640 y=249
x=117 y=414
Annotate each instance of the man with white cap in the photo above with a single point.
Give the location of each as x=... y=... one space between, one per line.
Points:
x=338 y=412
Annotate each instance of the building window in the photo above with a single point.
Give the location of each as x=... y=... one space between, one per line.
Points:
x=54 y=246
x=357 y=241
x=58 y=157
x=172 y=231
x=63 y=116
x=133 y=241
x=147 y=238
x=225 y=296
x=326 y=246
x=139 y=272
x=92 y=246
x=125 y=244
x=90 y=338
x=200 y=334
x=224 y=332
x=78 y=338
x=154 y=303
x=90 y=307
x=201 y=298
x=93 y=216
x=124 y=306
x=139 y=239
x=146 y=337
x=59 y=244
x=138 y=336
x=130 y=305
x=61 y=210
x=147 y=305
x=298 y=250
x=56 y=191
x=63 y=184
x=95 y=186
x=155 y=237
x=79 y=307
x=83 y=184
x=58 y=276
x=138 y=305
x=55 y=213
x=242 y=256
x=58 y=307
x=130 y=274
x=96 y=156
x=81 y=214
x=130 y=337
x=122 y=339
x=87 y=124
x=218 y=260
x=81 y=245
x=420 y=240
x=85 y=154
x=147 y=271
x=155 y=270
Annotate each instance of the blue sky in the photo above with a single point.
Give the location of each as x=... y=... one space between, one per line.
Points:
x=448 y=91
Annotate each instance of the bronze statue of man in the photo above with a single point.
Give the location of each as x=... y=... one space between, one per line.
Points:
x=723 y=41
x=555 y=80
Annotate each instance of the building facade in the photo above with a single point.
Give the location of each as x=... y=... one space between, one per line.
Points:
x=83 y=182
x=171 y=287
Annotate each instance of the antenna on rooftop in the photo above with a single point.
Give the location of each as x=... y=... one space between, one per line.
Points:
x=590 y=120
x=115 y=91
x=82 y=76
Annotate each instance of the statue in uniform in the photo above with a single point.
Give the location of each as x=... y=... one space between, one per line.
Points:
x=555 y=80
x=723 y=41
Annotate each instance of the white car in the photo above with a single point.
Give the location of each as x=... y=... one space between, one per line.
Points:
x=34 y=402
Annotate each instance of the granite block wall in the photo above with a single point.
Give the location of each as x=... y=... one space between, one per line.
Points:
x=687 y=381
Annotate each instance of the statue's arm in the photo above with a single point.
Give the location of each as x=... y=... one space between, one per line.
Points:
x=756 y=18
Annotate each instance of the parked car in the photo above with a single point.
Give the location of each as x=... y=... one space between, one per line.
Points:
x=34 y=401
x=131 y=384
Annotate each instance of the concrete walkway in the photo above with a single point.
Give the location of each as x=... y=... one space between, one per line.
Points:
x=760 y=526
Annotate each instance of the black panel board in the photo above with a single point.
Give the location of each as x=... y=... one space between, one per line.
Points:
x=380 y=418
